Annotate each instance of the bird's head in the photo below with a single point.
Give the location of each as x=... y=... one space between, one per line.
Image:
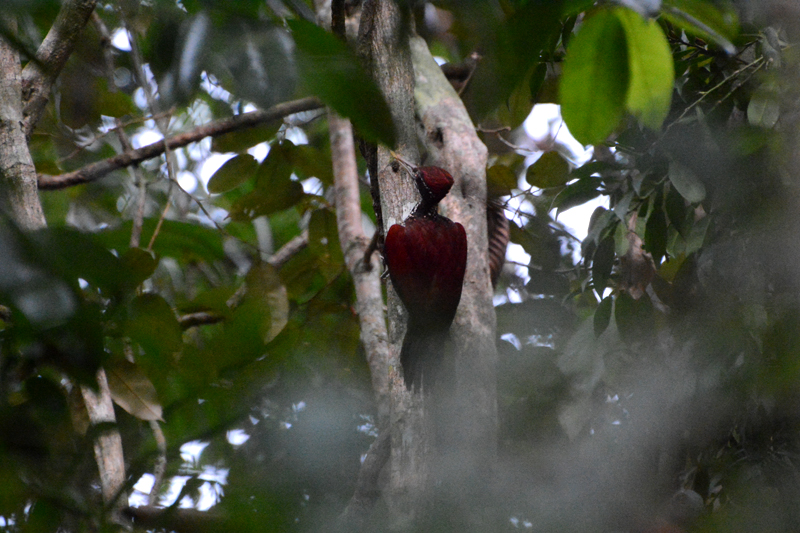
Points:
x=433 y=183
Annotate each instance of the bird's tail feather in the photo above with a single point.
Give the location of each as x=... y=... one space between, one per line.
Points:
x=423 y=358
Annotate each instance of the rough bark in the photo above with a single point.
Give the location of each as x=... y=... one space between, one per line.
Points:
x=366 y=276
x=18 y=193
x=107 y=445
x=21 y=202
x=383 y=45
x=39 y=75
x=99 y=169
x=452 y=143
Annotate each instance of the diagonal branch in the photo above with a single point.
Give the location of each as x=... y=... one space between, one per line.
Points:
x=99 y=169
x=39 y=75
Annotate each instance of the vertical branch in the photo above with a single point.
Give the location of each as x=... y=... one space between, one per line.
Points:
x=369 y=305
x=39 y=76
x=453 y=144
x=383 y=45
x=366 y=277
x=18 y=189
x=108 y=444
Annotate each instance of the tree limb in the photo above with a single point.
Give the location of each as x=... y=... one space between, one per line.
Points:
x=452 y=143
x=383 y=44
x=18 y=195
x=99 y=169
x=366 y=278
x=38 y=76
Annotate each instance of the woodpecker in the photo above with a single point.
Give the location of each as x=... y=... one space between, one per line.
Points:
x=426 y=257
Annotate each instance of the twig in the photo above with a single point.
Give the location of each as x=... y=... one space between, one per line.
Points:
x=99 y=169
x=371 y=248
x=161 y=462
x=711 y=90
x=201 y=318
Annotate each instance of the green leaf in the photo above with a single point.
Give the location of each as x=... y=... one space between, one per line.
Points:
x=594 y=79
x=323 y=240
x=260 y=202
x=331 y=71
x=550 y=170
x=311 y=162
x=703 y=19
x=764 y=108
x=241 y=140
x=500 y=180
x=133 y=391
x=602 y=315
x=152 y=324
x=602 y=264
x=275 y=190
x=577 y=193
x=232 y=173
x=655 y=234
x=635 y=318
x=686 y=182
x=141 y=265
x=264 y=285
x=180 y=240
x=650 y=67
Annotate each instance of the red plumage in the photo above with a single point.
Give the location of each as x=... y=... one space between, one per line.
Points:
x=427 y=258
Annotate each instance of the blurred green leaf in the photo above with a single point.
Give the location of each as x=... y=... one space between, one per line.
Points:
x=650 y=68
x=331 y=71
x=312 y=162
x=635 y=318
x=764 y=107
x=181 y=240
x=140 y=263
x=550 y=170
x=240 y=140
x=577 y=193
x=686 y=182
x=232 y=173
x=500 y=180
x=152 y=324
x=704 y=19
x=602 y=315
x=275 y=190
x=602 y=263
x=595 y=76
x=655 y=234
x=323 y=240
x=264 y=284
x=133 y=391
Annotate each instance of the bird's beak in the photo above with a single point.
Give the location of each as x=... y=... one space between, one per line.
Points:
x=411 y=169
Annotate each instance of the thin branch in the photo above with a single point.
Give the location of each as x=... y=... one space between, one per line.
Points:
x=758 y=63
x=369 y=302
x=161 y=462
x=99 y=169
x=38 y=76
x=201 y=318
x=369 y=295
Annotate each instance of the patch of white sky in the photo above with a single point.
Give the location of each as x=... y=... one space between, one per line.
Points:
x=213 y=478
x=543 y=131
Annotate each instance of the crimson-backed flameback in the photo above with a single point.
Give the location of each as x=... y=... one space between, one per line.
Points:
x=426 y=257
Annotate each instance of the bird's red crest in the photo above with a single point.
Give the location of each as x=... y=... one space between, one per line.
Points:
x=433 y=182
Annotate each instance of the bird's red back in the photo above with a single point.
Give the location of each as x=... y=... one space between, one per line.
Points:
x=427 y=259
